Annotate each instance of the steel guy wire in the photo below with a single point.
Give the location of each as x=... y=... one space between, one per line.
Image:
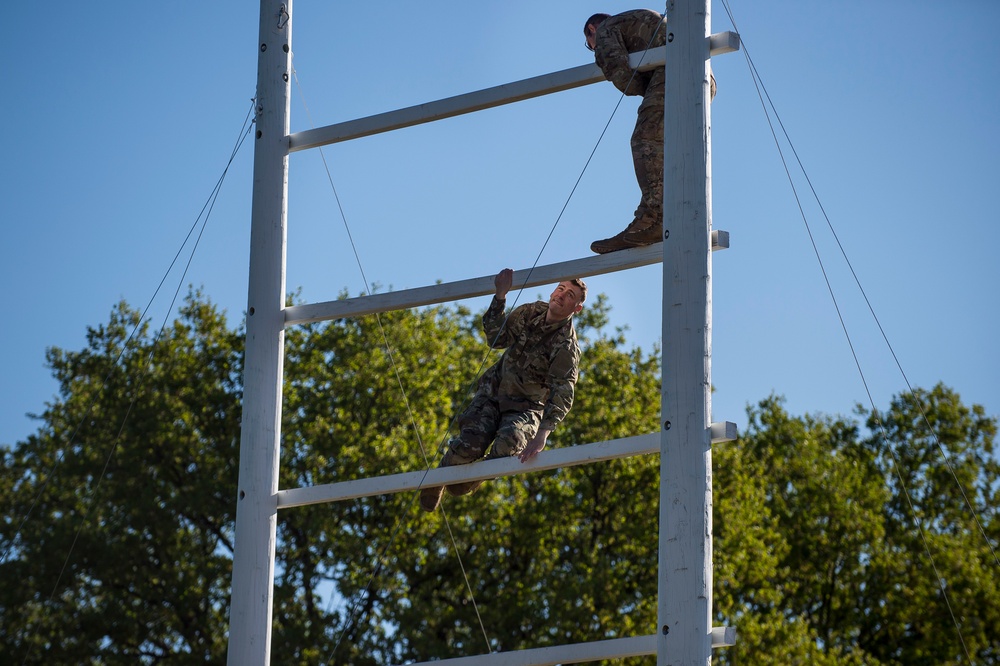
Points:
x=140 y=375
x=381 y=558
x=762 y=94
x=149 y=304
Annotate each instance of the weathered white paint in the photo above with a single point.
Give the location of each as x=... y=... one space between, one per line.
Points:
x=256 y=507
x=570 y=456
x=481 y=286
x=615 y=648
x=685 y=557
x=517 y=91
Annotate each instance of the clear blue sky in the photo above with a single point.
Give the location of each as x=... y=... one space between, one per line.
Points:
x=119 y=118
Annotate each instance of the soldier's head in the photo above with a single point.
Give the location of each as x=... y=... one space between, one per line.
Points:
x=590 y=29
x=566 y=299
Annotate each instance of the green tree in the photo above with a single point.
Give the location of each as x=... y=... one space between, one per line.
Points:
x=551 y=557
x=818 y=555
x=118 y=533
x=345 y=417
x=794 y=506
x=934 y=584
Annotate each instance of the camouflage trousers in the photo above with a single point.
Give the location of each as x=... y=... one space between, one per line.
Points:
x=647 y=153
x=487 y=433
x=647 y=150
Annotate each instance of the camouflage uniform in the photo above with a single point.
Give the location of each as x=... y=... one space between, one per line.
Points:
x=530 y=387
x=616 y=38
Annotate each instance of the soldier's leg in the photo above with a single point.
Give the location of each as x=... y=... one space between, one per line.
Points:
x=515 y=431
x=647 y=158
x=477 y=425
x=644 y=176
x=647 y=155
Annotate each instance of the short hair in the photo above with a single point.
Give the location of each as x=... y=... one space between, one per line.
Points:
x=582 y=286
x=596 y=19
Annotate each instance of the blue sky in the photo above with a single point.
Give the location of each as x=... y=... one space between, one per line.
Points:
x=119 y=118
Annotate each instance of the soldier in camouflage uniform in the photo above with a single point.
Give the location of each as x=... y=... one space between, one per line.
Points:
x=529 y=391
x=612 y=39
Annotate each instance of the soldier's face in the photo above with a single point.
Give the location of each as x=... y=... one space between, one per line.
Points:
x=565 y=301
x=591 y=37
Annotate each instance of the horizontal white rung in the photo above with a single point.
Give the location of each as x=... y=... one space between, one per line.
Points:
x=724 y=42
x=487 y=469
x=723 y=637
x=569 y=456
x=615 y=648
x=481 y=286
x=487 y=98
x=724 y=431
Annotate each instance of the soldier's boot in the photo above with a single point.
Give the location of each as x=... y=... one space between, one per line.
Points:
x=613 y=244
x=464 y=488
x=643 y=232
x=430 y=498
x=640 y=232
x=502 y=448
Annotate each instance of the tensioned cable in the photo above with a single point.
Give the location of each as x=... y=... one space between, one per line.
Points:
x=206 y=211
x=90 y=407
x=380 y=561
x=923 y=414
x=352 y=616
x=933 y=433
x=758 y=83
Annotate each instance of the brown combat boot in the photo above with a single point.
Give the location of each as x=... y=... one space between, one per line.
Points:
x=464 y=488
x=640 y=236
x=613 y=244
x=430 y=498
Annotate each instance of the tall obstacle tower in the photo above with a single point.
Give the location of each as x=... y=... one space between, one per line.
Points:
x=684 y=635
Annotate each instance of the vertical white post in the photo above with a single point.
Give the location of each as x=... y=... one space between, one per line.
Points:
x=257 y=505
x=684 y=635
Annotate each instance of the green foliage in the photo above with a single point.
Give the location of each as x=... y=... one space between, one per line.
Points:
x=142 y=506
x=819 y=556
x=812 y=529
x=551 y=558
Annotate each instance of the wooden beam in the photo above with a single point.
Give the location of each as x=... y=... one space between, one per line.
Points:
x=488 y=469
x=570 y=456
x=487 y=98
x=614 y=648
x=482 y=286
x=684 y=572
x=251 y=610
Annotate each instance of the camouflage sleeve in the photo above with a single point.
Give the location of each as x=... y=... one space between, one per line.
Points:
x=611 y=56
x=497 y=333
x=562 y=383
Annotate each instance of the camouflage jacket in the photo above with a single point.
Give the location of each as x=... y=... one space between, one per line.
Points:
x=626 y=33
x=539 y=368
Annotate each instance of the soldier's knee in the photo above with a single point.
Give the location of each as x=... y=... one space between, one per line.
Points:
x=461 y=452
x=508 y=446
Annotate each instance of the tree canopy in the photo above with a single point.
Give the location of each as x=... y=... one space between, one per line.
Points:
x=867 y=539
